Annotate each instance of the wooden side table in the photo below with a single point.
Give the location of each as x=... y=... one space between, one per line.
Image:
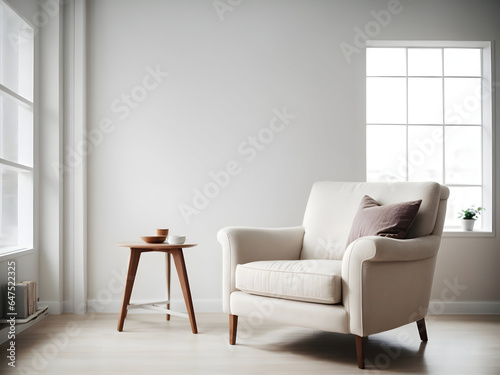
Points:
x=136 y=249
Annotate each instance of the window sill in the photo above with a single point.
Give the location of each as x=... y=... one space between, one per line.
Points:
x=450 y=233
x=7 y=255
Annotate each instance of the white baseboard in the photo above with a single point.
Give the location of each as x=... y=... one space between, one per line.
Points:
x=440 y=307
x=215 y=305
x=55 y=307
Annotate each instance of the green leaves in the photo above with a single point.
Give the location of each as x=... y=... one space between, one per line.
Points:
x=470 y=213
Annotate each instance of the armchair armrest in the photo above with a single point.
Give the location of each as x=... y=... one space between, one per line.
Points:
x=242 y=245
x=385 y=249
x=387 y=282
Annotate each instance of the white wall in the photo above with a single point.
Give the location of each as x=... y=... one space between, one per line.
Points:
x=227 y=75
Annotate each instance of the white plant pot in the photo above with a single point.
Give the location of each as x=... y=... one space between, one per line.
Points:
x=468 y=224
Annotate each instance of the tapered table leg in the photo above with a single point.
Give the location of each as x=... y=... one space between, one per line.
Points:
x=167 y=263
x=180 y=266
x=135 y=255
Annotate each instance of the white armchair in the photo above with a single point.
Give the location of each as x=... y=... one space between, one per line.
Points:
x=308 y=276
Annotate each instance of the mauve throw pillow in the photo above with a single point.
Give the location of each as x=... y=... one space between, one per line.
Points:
x=390 y=220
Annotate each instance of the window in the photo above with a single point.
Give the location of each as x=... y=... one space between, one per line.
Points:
x=429 y=118
x=16 y=131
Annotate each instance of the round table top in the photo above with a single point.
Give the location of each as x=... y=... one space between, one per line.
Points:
x=163 y=245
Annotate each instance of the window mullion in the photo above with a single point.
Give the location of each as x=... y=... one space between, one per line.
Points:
x=7 y=164
x=407 y=120
x=8 y=93
x=443 y=173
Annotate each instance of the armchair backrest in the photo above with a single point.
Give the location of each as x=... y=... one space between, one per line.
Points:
x=332 y=206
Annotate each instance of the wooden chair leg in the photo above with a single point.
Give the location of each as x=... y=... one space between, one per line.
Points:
x=233 y=326
x=360 y=350
x=422 y=330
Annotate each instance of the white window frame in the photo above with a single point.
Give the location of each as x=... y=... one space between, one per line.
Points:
x=488 y=130
x=26 y=223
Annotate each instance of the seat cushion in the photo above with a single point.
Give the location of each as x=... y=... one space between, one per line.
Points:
x=312 y=280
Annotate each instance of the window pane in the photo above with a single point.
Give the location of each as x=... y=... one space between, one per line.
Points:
x=386 y=152
x=16 y=53
x=463 y=154
x=425 y=153
x=425 y=62
x=16 y=132
x=25 y=209
x=425 y=100
x=8 y=208
x=16 y=209
x=385 y=61
x=462 y=61
x=463 y=100
x=462 y=198
x=386 y=100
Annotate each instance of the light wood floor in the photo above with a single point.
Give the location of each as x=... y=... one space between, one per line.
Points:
x=89 y=344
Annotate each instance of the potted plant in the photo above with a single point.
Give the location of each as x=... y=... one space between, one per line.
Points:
x=469 y=217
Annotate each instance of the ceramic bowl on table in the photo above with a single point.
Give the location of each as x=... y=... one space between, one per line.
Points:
x=176 y=239
x=162 y=232
x=154 y=239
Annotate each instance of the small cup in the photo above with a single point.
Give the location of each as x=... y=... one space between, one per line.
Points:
x=162 y=232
